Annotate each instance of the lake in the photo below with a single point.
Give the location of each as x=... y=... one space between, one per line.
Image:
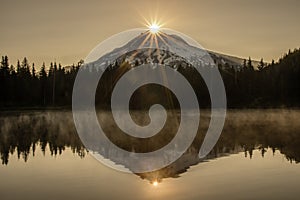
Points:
x=256 y=157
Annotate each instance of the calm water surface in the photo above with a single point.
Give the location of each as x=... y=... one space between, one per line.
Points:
x=257 y=157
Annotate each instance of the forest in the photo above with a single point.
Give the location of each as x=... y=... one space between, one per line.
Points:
x=270 y=85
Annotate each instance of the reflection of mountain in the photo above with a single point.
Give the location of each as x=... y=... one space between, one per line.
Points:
x=244 y=131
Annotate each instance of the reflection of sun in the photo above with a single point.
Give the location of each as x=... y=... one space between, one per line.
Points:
x=154 y=28
x=155 y=183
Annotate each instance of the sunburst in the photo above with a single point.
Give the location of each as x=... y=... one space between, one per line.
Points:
x=154 y=28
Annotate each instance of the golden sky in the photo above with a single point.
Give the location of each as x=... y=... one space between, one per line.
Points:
x=67 y=30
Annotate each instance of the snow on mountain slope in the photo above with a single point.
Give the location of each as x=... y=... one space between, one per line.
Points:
x=161 y=44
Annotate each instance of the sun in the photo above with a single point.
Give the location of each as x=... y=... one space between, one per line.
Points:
x=154 y=28
x=155 y=183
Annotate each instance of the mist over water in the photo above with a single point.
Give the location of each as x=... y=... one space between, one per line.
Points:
x=244 y=130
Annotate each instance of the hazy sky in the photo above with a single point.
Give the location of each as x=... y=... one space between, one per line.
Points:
x=67 y=30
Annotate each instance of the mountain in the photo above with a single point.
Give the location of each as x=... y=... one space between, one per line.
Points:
x=231 y=60
x=160 y=48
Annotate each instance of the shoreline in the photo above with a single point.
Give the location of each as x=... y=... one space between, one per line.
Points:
x=69 y=108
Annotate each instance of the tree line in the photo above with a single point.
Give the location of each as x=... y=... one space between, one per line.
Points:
x=22 y=85
x=275 y=84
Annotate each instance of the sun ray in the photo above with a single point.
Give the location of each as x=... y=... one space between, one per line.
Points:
x=156 y=44
x=162 y=39
x=170 y=38
x=141 y=45
x=151 y=43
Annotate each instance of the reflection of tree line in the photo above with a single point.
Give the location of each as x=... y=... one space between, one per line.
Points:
x=244 y=131
x=23 y=133
x=262 y=130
